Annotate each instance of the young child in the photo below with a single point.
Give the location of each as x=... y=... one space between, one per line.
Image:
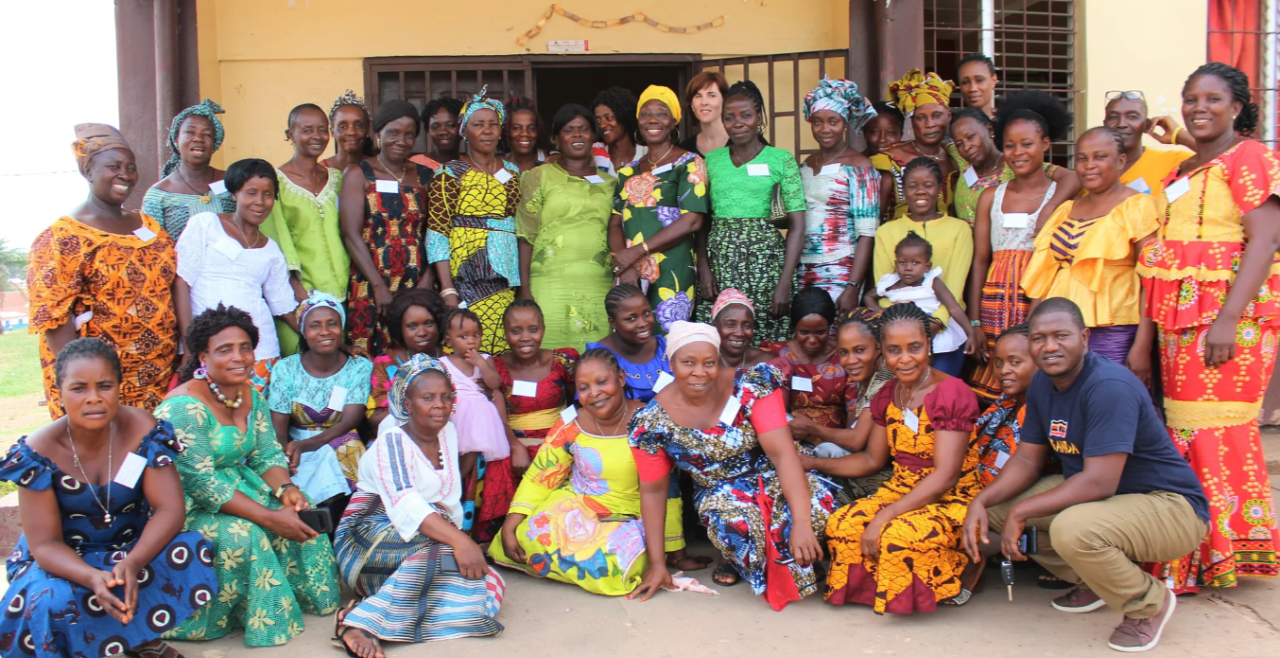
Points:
x=916 y=280
x=480 y=417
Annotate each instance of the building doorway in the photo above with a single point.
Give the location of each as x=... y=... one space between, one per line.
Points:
x=557 y=85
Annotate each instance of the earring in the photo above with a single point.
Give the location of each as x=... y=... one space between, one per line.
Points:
x=201 y=372
x=1233 y=117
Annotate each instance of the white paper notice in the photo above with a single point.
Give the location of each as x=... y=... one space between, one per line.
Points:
x=664 y=379
x=802 y=384
x=132 y=468
x=730 y=410
x=145 y=234
x=1016 y=220
x=657 y=171
x=911 y=420
x=387 y=187
x=970 y=176
x=1139 y=185
x=524 y=388
x=503 y=176
x=83 y=318
x=759 y=169
x=1177 y=188
x=830 y=170
x=593 y=179
x=337 y=398
x=569 y=414
x=218 y=187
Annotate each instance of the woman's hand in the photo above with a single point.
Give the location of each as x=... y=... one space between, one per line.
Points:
x=381 y=295
x=520 y=460
x=1220 y=342
x=294 y=451
x=801 y=428
x=707 y=284
x=510 y=545
x=470 y=559
x=808 y=463
x=871 y=538
x=848 y=299
x=451 y=300
x=781 y=299
x=805 y=547
x=285 y=522
x=976 y=343
x=101 y=583
x=1139 y=363
x=630 y=277
x=126 y=573
x=656 y=578
x=625 y=259
x=293 y=497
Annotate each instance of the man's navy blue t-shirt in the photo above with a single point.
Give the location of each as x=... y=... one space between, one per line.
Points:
x=1105 y=411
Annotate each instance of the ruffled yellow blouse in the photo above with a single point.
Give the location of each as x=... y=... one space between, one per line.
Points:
x=1092 y=261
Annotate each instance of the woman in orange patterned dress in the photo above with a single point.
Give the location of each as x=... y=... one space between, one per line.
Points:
x=107 y=272
x=1216 y=305
x=899 y=550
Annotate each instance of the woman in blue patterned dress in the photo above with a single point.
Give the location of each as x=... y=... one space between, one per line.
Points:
x=101 y=568
x=190 y=185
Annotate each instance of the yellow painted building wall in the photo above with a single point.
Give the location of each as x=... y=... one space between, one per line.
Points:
x=259 y=58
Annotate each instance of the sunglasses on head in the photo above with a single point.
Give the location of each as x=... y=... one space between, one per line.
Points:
x=1133 y=95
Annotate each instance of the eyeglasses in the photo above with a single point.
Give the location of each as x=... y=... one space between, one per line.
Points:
x=1133 y=95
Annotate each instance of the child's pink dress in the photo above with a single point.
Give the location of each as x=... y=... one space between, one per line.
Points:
x=479 y=426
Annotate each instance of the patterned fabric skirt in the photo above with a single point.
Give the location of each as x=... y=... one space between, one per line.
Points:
x=1113 y=342
x=493 y=338
x=831 y=277
x=493 y=489
x=406 y=596
x=747 y=254
x=1004 y=304
x=1212 y=415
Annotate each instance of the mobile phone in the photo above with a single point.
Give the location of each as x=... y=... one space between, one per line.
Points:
x=1029 y=542
x=448 y=563
x=318 y=519
x=617 y=518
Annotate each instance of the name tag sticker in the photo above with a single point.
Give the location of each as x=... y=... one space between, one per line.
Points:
x=524 y=388
x=730 y=410
x=1002 y=457
x=911 y=420
x=145 y=234
x=132 y=468
x=802 y=384
x=503 y=176
x=593 y=179
x=387 y=187
x=569 y=414
x=829 y=170
x=228 y=247
x=218 y=187
x=760 y=169
x=661 y=170
x=1177 y=188
x=664 y=379
x=1139 y=185
x=82 y=319
x=970 y=176
x=1016 y=220
x=790 y=418
x=337 y=398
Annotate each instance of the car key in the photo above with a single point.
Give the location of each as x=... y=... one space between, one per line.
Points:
x=1006 y=574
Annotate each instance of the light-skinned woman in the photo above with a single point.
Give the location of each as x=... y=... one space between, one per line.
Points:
x=704 y=96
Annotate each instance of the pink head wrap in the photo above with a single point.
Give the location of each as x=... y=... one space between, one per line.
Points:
x=728 y=297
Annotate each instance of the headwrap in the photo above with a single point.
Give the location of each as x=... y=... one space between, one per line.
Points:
x=480 y=101
x=682 y=333
x=205 y=108
x=728 y=297
x=841 y=97
x=348 y=97
x=405 y=374
x=94 y=138
x=315 y=300
x=660 y=93
x=395 y=109
x=916 y=89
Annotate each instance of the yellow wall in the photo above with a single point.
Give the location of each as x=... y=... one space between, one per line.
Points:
x=1151 y=45
x=259 y=58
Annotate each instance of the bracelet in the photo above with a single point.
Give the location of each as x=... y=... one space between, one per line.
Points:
x=975 y=323
x=1173 y=139
x=449 y=291
x=280 y=490
x=646 y=246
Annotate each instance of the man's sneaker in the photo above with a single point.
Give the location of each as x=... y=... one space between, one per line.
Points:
x=1078 y=600
x=1133 y=635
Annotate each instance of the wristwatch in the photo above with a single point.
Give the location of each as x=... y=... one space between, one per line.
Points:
x=975 y=323
x=280 y=489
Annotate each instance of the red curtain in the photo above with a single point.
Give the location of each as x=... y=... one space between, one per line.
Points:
x=1233 y=35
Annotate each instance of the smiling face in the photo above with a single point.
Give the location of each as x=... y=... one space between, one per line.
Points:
x=1024 y=147
x=350 y=127
x=656 y=123
x=741 y=120
x=522 y=134
x=1098 y=162
x=397 y=138
x=828 y=128
x=812 y=333
x=195 y=140
x=973 y=140
x=930 y=122
x=483 y=131
x=1013 y=364
x=611 y=130
x=601 y=388
x=309 y=133
x=632 y=322
x=707 y=103
x=442 y=130
x=906 y=350
x=112 y=175
x=977 y=84
x=255 y=199
x=858 y=352
x=1208 y=108
x=1129 y=118
x=524 y=329
x=1057 y=344
x=574 y=139
x=882 y=132
x=90 y=393
x=921 y=189
x=463 y=335
x=695 y=367
x=229 y=357
x=419 y=329
x=429 y=401
x=737 y=328
x=323 y=331
x=911 y=263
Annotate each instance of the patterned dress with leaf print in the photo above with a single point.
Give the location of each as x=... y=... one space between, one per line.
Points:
x=265 y=582
x=649 y=202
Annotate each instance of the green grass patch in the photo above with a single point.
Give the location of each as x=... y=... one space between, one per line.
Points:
x=7 y=488
x=19 y=364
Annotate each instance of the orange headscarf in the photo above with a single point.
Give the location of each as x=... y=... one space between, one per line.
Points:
x=916 y=89
x=93 y=138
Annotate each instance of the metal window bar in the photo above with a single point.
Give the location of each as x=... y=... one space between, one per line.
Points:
x=1266 y=88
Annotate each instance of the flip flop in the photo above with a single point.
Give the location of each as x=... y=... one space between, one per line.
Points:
x=725 y=569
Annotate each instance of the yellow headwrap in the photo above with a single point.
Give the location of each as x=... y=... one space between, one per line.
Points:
x=916 y=89
x=664 y=94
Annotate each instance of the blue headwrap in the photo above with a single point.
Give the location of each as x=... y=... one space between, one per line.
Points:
x=317 y=300
x=405 y=375
x=841 y=97
x=480 y=101
x=205 y=108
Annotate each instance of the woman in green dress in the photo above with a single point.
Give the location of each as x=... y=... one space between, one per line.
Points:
x=562 y=223
x=659 y=206
x=745 y=251
x=271 y=566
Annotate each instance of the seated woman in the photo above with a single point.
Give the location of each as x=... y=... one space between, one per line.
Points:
x=999 y=428
x=414 y=321
x=271 y=565
x=744 y=465
x=576 y=515
x=537 y=382
x=417 y=576
x=820 y=392
x=899 y=550
x=317 y=399
x=734 y=317
x=81 y=571
x=640 y=352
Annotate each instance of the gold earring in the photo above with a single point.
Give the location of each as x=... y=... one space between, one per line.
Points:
x=1233 y=117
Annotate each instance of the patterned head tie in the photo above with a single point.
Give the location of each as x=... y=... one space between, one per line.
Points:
x=916 y=89
x=682 y=334
x=205 y=108
x=92 y=138
x=348 y=97
x=417 y=365
x=480 y=101
x=841 y=97
x=660 y=93
x=315 y=300
x=728 y=297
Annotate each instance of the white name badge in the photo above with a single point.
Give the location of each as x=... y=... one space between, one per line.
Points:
x=82 y=319
x=524 y=388
x=970 y=176
x=228 y=247
x=1016 y=220
x=790 y=418
x=1001 y=458
x=828 y=170
x=1177 y=188
x=569 y=414
x=802 y=384
x=1139 y=185
x=593 y=179
x=337 y=398
x=132 y=468
x=730 y=411
x=664 y=379
x=145 y=234
x=503 y=176
x=760 y=169
x=911 y=420
x=218 y=187
x=387 y=187
x=657 y=171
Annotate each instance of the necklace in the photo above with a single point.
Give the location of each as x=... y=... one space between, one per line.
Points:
x=837 y=156
x=400 y=178
x=1030 y=198
x=928 y=372
x=205 y=197
x=994 y=168
x=734 y=159
x=243 y=238
x=213 y=386
x=741 y=362
x=941 y=154
x=106 y=509
x=654 y=165
x=617 y=428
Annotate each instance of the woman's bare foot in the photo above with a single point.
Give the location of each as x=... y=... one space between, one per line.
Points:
x=681 y=561
x=726 y=575
x=357 y=642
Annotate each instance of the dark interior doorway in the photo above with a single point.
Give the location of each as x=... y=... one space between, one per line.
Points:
x=557 y=85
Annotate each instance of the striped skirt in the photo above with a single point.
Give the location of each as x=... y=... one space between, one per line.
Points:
x=1004 y=304
x=406 y=596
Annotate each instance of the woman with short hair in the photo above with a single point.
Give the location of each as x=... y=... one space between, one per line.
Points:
x=704 y=96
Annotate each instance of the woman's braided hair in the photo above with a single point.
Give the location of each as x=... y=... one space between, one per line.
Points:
x=1238 y=82
x=905 y=312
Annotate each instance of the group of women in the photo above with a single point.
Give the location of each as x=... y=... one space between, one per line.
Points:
x=547 y=342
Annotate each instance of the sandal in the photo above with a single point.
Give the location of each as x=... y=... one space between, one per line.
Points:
x=159 y=649
x=970 y=583
x=339 y=630
x=726 y=575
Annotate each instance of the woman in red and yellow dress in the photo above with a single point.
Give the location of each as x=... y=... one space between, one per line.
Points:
x=537 y=382
x=1212 y=286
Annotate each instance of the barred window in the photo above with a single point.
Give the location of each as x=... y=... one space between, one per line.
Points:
x=1244 y=34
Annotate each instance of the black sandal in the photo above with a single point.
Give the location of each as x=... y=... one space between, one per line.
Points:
x=158 y=650
x=726 y=570
x=339 y=630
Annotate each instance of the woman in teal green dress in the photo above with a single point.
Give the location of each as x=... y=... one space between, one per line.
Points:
x=271 y=566
x=562 y=224
x=745 y=251
x=659 y=206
